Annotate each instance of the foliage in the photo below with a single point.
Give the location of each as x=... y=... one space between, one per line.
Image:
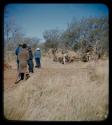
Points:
x=79 y=35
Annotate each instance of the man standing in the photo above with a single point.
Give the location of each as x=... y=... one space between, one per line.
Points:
x=30 y=61
x=37 y=55
x=17 y=51
x=23 y=58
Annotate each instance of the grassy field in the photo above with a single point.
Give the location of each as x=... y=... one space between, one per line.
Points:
x=70 y=92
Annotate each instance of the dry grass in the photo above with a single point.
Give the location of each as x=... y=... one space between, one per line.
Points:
x=9 y=56
x=77 y=92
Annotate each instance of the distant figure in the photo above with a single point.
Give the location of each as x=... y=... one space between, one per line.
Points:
x=17 y=51
x=64 y=58
x=37 y=55
x=30 y=60
x=23 y=58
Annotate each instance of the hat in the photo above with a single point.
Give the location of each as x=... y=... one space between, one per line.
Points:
x=37 y=48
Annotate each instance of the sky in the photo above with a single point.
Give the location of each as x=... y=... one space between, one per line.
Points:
x=34 y=19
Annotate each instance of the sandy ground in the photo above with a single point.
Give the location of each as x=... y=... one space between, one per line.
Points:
x=76 y=91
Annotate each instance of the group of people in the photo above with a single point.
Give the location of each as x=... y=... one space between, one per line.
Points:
x=25 y=63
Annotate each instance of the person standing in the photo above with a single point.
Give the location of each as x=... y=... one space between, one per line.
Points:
x=17 y=51
x=64 y=58
x=37 y=55
x=23 y=59
x=30 y=60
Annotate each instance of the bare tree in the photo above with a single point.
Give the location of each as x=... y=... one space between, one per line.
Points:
x=52 y=38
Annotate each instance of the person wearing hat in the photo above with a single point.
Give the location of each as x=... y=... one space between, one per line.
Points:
x=30 y=60
x=37 y=56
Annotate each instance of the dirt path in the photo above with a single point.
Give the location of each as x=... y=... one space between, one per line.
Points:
x=77 y=91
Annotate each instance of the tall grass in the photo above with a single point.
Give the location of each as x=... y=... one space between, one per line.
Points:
x=77 y=92
x=9 y=56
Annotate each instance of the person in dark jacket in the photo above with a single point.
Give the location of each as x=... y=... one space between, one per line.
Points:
x=37 y=55
x=30 y=60
x=17 y=51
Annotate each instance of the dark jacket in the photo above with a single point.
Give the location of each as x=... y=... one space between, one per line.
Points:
x=30 y=55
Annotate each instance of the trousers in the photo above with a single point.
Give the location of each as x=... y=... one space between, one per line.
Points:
x=37 y=60
x=30 y=64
